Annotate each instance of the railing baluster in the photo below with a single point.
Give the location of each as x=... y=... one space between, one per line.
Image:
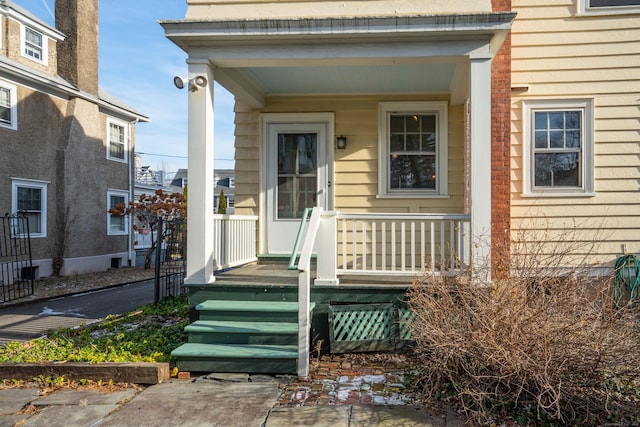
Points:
x=393 y=245
x=413 y=246
x=354 y=244
x=364 y=245
x=344 y=245
x=433 y=247
x=374 y=242
x=452 y=245
x=422 y=245
x=443 y=262
x=383 y=244
x=403 y=249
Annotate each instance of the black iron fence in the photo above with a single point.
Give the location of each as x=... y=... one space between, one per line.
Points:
x=170 y=258
x=16 y=268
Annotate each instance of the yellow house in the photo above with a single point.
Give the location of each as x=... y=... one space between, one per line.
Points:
x=384 y=117
x=439 y=136
x=575 y=144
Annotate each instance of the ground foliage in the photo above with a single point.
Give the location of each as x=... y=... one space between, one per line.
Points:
x=148 y=334
x=535 y=350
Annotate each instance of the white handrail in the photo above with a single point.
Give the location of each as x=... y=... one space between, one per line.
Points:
x=304 y=291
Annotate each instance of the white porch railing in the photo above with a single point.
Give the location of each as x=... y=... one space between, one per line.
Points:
x=234 y=240
x=393 y=244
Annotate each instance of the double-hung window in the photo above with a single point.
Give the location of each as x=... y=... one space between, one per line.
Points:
x=8 y=109
x=117 y=224
x=559 y=148
x=34 y=45
x=117 y=140
x=607 y=7
x=413 y=149
x=29 y=199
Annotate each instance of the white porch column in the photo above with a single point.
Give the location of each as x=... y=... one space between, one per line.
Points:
x=480 y=126
x=200 y=185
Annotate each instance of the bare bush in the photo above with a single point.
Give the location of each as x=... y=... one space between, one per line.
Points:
x=538 y=346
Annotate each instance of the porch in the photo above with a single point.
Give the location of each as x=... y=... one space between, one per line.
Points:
x=263 y=315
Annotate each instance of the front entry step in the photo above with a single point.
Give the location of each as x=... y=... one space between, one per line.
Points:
x=242 y=336
x=265 y=359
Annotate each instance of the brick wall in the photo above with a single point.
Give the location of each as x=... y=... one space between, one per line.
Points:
x=500 y=150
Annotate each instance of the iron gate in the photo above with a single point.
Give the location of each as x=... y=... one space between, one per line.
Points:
x=170 y=258
x=16 y=268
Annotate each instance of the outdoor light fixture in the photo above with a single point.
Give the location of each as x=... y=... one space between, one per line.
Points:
x=341 y=142
x=194 y=83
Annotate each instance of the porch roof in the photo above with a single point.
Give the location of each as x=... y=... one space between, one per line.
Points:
x=349 y=55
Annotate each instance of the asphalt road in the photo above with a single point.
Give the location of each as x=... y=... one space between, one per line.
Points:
x=31 y=320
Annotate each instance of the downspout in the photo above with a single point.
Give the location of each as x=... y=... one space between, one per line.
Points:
x=132 y=171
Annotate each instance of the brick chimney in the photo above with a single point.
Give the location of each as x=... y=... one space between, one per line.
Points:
x=78 y=53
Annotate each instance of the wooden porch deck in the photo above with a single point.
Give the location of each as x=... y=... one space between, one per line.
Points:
x=257 y=273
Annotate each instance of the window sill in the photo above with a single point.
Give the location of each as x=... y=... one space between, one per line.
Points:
x=412 y=196
x=117 y=160
x=543 y=194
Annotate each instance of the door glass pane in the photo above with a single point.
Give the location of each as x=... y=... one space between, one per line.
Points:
x=297 y=173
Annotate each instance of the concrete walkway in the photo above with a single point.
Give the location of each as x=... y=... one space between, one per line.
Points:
x=195 y=403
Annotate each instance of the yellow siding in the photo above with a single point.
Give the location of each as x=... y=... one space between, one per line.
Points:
x=559 y=55
x=240 y=9
x=355 y=168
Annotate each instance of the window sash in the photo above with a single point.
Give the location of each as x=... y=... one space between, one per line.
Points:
x=116 y=141
x=5 y=105
x=117 y=224
x=413 y=152
x=33 y=44
x=612 y=3
x=29 y=204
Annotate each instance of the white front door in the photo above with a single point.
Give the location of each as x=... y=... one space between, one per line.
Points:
x=297 y=178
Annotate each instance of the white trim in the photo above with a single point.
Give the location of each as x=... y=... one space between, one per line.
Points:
x=120 y=193
x=125 y=127
x=37 y=184
x=440 y=108
x=583 y=9
x=13 y=103
x=587 y=151
x=45 y=44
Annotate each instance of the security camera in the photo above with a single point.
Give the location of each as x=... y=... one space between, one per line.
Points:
x=180 y=82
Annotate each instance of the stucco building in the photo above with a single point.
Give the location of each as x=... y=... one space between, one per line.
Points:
x=67 y=145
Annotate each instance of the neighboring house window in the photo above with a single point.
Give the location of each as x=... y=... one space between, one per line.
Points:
x=34 y=44
x=117 y=225
x=8 y=103
x=608 y=6
x=413 y=149
x=29 y=198
x=559 y=147
x=117 y=137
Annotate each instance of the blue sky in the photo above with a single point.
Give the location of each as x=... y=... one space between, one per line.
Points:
x=137 y=65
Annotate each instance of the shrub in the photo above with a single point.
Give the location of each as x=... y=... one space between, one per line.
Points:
x=536 y=347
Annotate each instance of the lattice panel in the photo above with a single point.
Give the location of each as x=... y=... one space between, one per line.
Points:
x=362 y=323
x=407 y=316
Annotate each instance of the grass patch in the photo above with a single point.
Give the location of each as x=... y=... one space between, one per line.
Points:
x=148 y=334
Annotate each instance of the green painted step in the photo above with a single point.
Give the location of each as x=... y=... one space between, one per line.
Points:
x=236 y=358
x=251 y=311
x=230 y=332
x=235 y=350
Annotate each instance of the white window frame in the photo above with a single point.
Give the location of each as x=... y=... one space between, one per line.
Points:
x=13 y=105
x=23 y=45
x=585 y=106
x=125 y=195
x=440 y=109
x=125 y=126
x=584 y=8
x=31 y=183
